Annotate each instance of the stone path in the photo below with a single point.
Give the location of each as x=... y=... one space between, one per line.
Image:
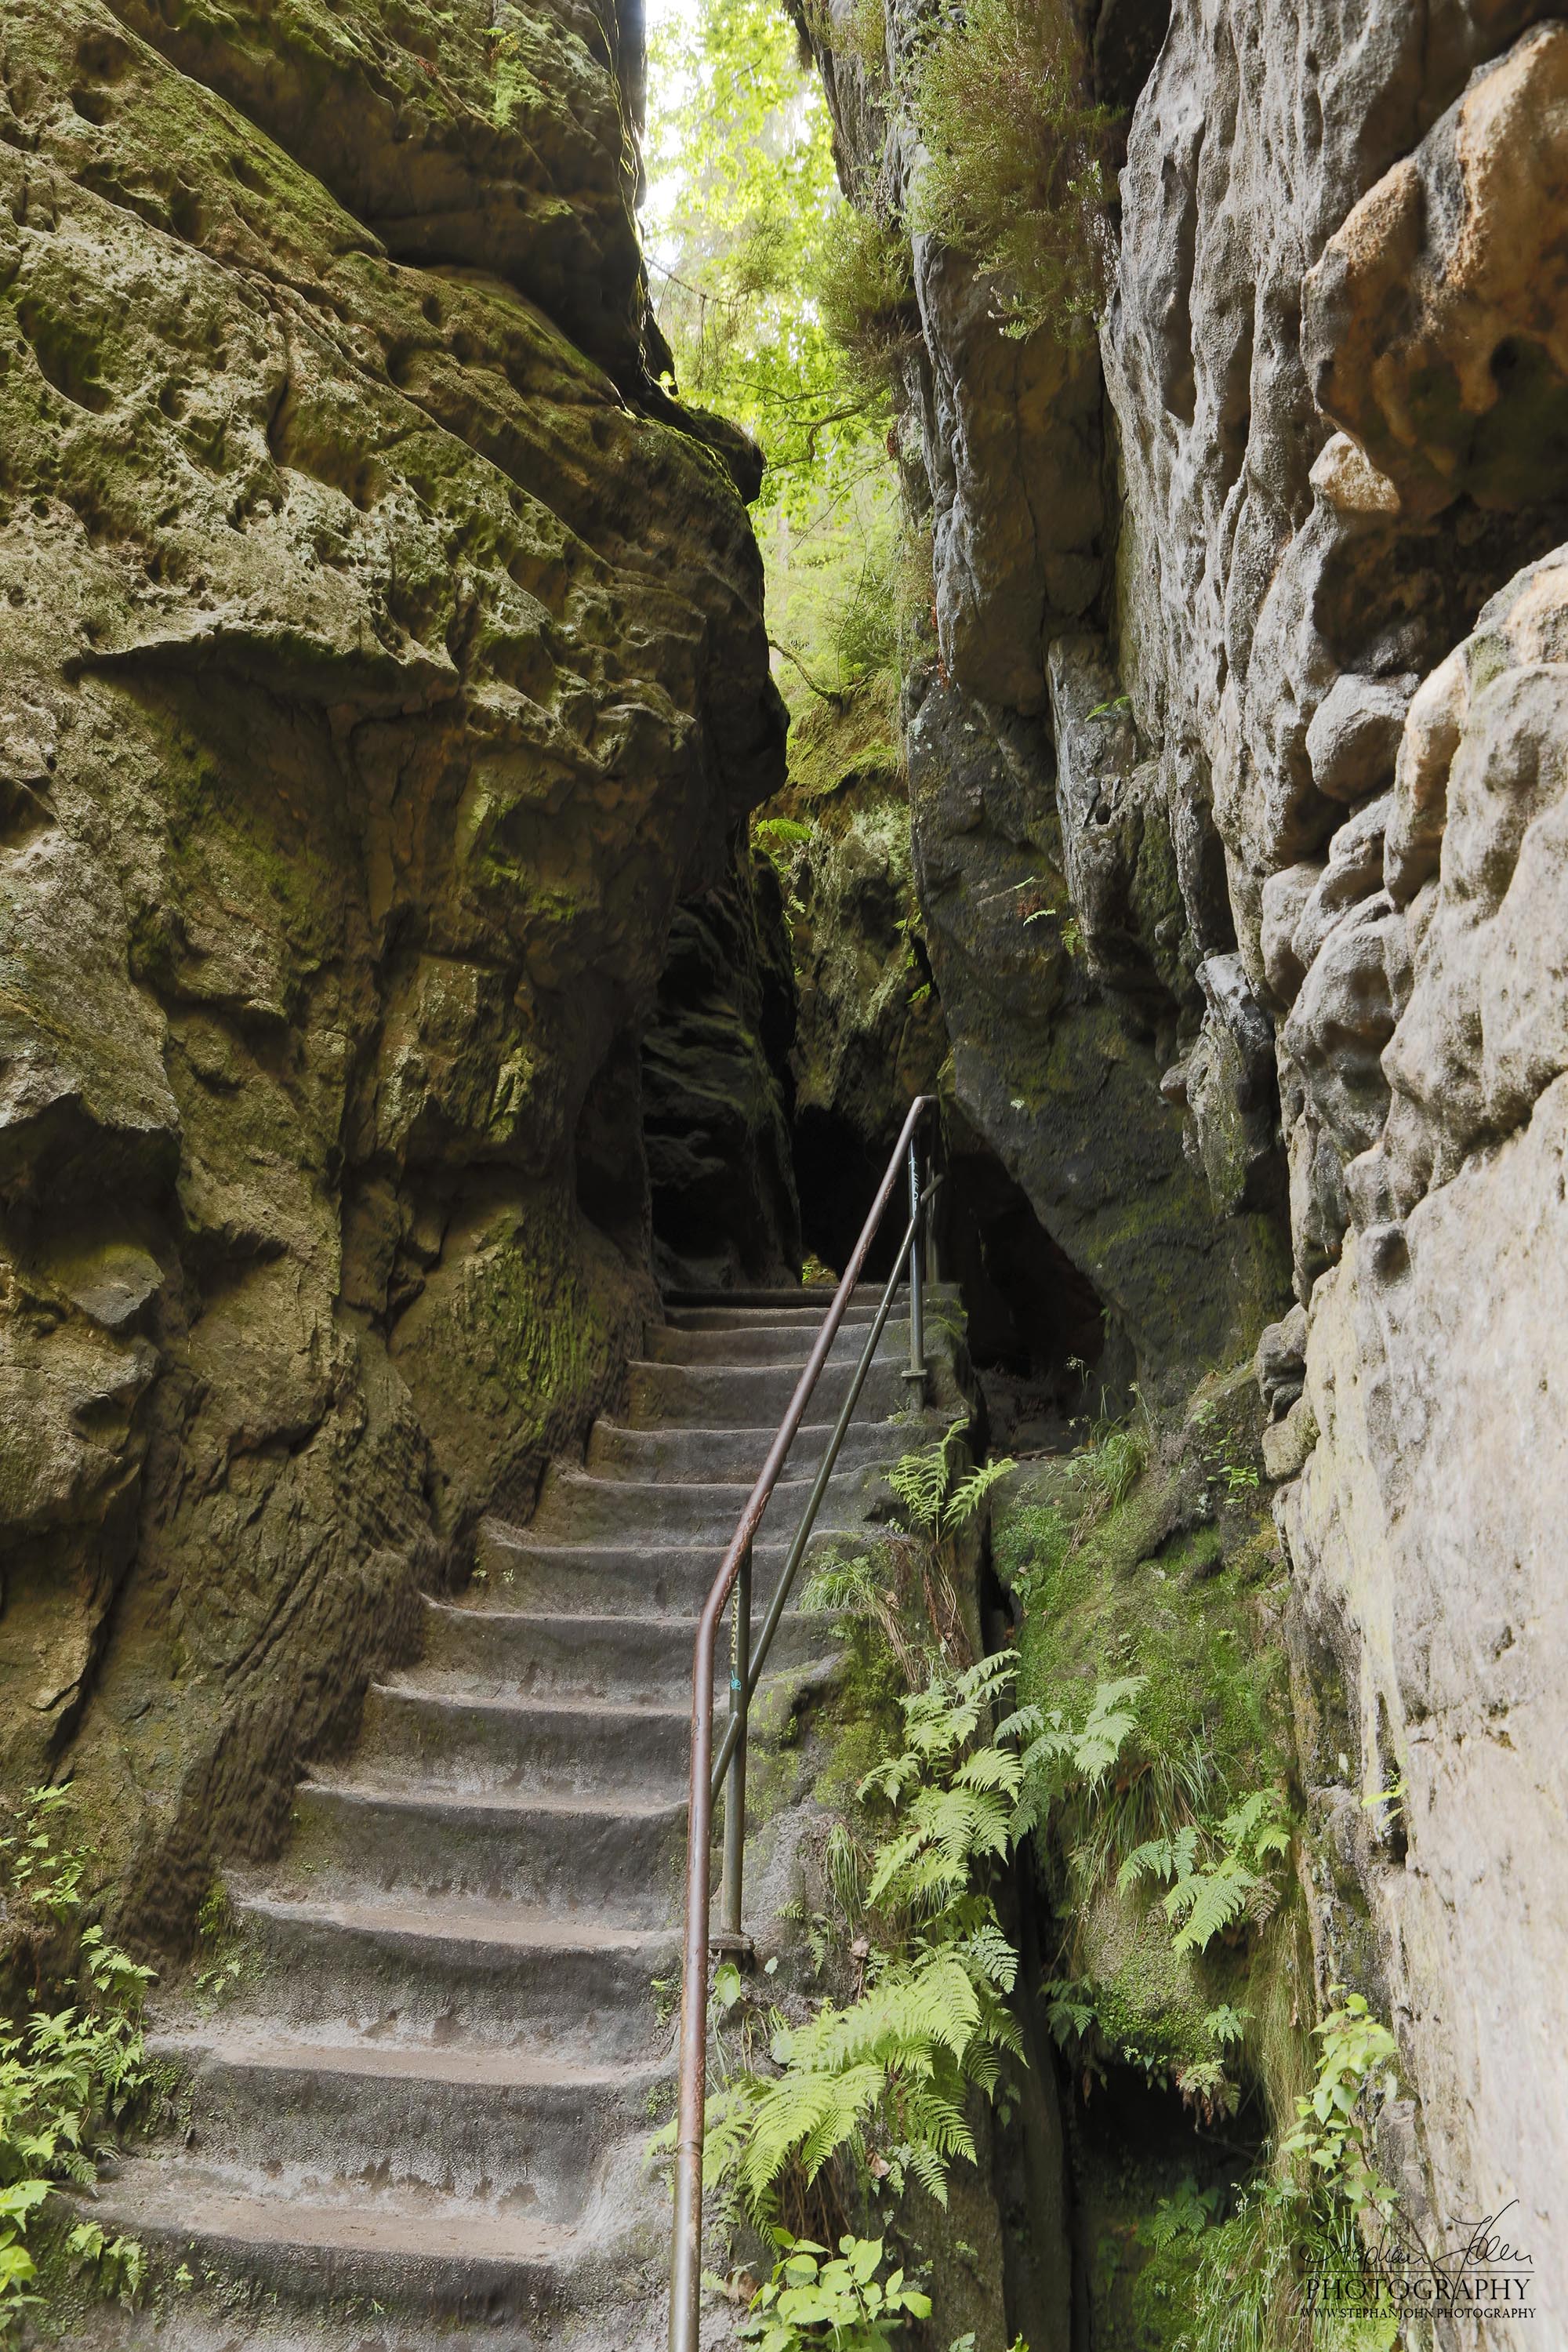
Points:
x=420 y=2115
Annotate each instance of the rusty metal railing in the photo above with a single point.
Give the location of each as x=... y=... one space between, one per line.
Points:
x=727 y=1771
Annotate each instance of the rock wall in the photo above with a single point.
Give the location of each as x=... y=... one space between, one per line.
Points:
x=377 y=673
x=1291 y=979
x=718 y=1089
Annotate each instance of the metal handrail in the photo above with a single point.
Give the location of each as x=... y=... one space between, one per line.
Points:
x=709 y=1773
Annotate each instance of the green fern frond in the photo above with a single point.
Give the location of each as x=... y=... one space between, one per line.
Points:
x=1207 y=1903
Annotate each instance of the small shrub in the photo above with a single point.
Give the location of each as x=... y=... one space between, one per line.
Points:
x=1335 y=2125
x=72 y=2069
x=1019 y=176
x=861 y=33
x=866 y=295
x=815 y=2298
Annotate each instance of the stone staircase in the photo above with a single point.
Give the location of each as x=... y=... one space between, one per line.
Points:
x=418 y=2116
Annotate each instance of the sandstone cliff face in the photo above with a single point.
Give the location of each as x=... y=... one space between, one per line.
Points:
x=716 y=1088
x=1301 y=510
x=376 y=678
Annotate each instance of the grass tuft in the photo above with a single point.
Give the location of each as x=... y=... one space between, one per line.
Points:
x=1018 y=175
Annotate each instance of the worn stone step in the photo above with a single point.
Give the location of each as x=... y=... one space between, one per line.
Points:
x=808 y=1320
x=516 y=2127
x=810 y=1302
x=614 y=1855
x=438 y=2255
x=419 y=2112
x=752 y=1343
x=605 y=1655
x=733 y=1456
x=577 y=1506
x=707 y=1396
x=813 y=1296
x=450 y=1739
x=645 y=1580
x=413 y=1972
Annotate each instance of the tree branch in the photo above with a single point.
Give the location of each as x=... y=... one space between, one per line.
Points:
x=824 y=693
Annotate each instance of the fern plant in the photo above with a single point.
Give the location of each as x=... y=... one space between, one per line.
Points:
x=1216 y=1875
x=885 y=2080
x=937 y=1499
x=72 y=2067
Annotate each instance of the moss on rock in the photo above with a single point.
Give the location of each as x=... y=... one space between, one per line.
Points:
x=374 y=681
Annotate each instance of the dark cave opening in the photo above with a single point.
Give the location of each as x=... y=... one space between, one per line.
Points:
x=1038 y=1335
x=1039 y=1339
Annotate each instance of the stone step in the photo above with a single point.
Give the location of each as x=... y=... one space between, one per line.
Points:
x=603 y=1656
x=811 y=1298
x=437 y=2256
x=615 y=1857
x=577 y=1506
x=644 y=1579
x=810 y=1301
x=420 y=1974
x=734 y=1456
x=416 y=1729
x=316 y=2121
x=710 y=1396
x=808 y=1320
x=759 y=1344
x=418 y=2118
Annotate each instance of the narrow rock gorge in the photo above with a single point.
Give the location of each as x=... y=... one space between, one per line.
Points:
x=446 y=1000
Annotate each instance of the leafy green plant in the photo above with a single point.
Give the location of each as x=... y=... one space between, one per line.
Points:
x=882 y=2082
x=71 y=2068
x=865 y=294
x=1184 y=2216
x=226 y=1962
x=1291 y=2267
x=1018 y=172
x=1258 y=2275
x=878 y=1584
x=1216 y=1873
x=1335 y=2125
x=1224 y=1460
x=778 y=837
x=816 y=2298
x=937 y=1499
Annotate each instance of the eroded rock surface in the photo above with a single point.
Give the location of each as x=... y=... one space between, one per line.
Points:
x=374 y=681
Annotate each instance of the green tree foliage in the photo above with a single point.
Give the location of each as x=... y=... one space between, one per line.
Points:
x=785 y=309
x=745 y=224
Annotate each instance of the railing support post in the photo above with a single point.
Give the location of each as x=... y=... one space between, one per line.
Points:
x=735 y=1786
x=916 y=1375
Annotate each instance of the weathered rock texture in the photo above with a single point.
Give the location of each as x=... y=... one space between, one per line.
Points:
x=716 y=1088
x=868 y=1037
x=375 y=678
x=1314 y=985
x=871 y=1034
